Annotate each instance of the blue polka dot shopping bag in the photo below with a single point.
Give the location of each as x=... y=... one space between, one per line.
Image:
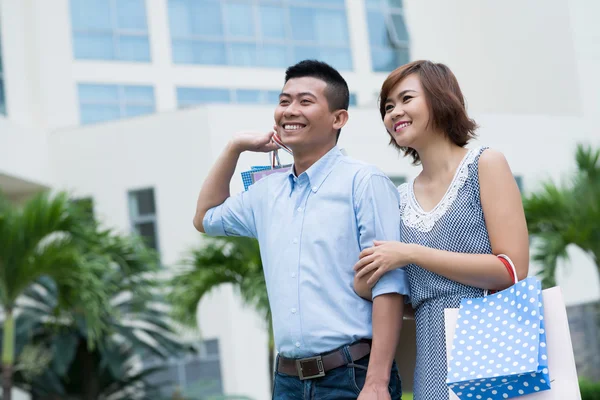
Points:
x=499 y=345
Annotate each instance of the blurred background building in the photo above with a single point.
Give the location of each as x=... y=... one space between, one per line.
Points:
x=128 y=103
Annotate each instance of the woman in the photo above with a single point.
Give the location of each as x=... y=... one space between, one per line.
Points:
x=458 y=214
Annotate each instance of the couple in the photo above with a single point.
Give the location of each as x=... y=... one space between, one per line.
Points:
x=333 y=227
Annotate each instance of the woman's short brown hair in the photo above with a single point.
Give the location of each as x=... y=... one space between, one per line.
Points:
x=444 y=98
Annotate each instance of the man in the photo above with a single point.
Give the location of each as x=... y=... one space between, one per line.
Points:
x=312 y=224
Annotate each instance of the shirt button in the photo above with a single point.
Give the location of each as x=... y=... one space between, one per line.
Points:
x=300 y=209
x=293 y=311
x=314 y=188
x=297 y=344
x=293 y=274
x=295 y=240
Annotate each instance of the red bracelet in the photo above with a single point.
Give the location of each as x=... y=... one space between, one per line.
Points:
x=508 y=268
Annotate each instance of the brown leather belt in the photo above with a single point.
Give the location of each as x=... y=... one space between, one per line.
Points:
x=315 y=367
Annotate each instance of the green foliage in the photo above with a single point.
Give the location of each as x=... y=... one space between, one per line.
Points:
x=589 y=390
x=560 y=215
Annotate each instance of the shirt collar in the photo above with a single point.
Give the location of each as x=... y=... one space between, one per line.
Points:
x=318 y=172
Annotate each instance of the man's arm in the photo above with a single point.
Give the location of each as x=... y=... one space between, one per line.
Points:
x=387 y=323
x=215 y=189
x=378 y=216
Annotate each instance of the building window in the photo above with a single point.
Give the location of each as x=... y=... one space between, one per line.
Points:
x=259 y=33
x=142 y=213
x=99 y=103
x=2 y=98
x=398 y=180
x=190 y=96
x=194 y=377
x=110 y=30
x=388 y=35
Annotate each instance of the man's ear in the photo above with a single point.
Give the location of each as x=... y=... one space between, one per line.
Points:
x=340 y=119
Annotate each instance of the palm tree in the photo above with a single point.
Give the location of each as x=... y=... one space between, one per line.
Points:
x=559 y=215
x=228 y=260
x=37 y=239
x=137 y=324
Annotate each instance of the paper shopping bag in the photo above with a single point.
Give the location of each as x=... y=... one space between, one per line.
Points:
x=499 y=347
x=561 y=361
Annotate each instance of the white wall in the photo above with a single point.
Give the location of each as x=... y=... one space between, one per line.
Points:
x=509 y=56
x=23 y=153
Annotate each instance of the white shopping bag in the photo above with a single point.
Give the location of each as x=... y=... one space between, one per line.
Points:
x=561 y=362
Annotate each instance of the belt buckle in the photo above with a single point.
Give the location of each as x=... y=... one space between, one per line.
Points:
x=305 y=363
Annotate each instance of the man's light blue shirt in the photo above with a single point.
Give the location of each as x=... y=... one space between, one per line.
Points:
x=311 y=230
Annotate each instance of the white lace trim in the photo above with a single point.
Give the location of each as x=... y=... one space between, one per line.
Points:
x=414 y=216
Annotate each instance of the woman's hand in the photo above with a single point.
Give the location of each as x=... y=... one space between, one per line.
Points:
x=381 y=258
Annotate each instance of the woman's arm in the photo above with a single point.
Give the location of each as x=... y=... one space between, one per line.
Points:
x=507 y=229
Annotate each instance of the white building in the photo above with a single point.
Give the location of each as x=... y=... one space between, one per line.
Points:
x=92 y=91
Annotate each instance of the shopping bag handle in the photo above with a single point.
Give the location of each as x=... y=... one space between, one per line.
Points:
x=510 y=267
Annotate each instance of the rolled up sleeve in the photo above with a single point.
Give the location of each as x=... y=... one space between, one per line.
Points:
x=235 y=217
x=378 y=215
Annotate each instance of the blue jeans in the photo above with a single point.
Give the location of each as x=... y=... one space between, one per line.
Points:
x=342 y=383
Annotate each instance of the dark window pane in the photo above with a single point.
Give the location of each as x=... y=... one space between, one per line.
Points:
x=143 y=202
x=147 y=230
x=2 y=98
x=212 y=347
x=205 y=375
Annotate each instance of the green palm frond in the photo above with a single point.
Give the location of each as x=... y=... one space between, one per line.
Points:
x=560 y=215
x=83 y=292
x=231 y=260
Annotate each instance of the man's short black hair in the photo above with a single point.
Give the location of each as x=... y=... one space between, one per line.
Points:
x=336 y=92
